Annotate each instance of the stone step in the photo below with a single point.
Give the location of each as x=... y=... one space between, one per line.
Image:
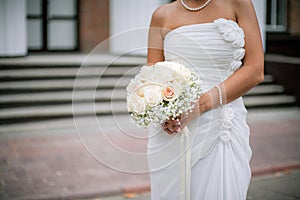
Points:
x=268 y=79
x=59 y=97
x=71 y=60
x=72 y=73
x=78 y=109
x=34 y=93
x=268 y=101
x=36 y=113
x=65 y=84
x=87 y=81
x=58 y=73
x=97 y=95
x=266 y=89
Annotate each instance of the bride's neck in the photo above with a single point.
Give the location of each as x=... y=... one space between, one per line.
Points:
x=195 y=1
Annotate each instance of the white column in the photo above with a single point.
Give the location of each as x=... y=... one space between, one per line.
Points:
x=129 y=21
x=13 y=40
x=260 y=8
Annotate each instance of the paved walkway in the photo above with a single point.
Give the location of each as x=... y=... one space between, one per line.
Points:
x=278 y=186
x=37 y=162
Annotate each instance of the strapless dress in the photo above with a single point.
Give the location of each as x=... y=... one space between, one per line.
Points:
x=220 y=151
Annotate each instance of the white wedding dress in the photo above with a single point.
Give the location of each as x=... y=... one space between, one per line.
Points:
x=219 y=138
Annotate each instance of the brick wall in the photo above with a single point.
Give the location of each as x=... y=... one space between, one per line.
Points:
x=294 y=17
x=93 y=24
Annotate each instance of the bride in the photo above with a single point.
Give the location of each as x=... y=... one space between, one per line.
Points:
x=220 y=41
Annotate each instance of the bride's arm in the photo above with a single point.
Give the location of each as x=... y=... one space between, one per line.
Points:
x=252 y=71
x=155 y=38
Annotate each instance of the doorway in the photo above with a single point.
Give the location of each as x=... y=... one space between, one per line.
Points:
x=52 y=25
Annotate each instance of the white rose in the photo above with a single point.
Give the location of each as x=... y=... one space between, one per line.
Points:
x=132 y=86
x=139 y=80
x=136 y=104
x=178 y=86
x=145 y=71
x=160 y=75
x=153 y=95
x=182 y=71
x=177 y=70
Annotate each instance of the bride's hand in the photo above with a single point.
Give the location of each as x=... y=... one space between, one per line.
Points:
x=176 y=125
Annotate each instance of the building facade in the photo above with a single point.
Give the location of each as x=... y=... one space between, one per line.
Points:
x=283 y=27
x=115 y=26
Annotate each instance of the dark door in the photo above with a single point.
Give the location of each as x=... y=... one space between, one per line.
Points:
x=52 y=25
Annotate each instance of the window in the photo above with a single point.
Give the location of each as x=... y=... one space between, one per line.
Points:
x=276 y=15
x=52 y=25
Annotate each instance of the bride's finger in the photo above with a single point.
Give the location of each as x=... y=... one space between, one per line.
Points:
x=169 y=131
x=173 y=128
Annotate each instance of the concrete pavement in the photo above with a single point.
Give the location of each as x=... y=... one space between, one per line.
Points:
x=51 y=160
x=278 y=186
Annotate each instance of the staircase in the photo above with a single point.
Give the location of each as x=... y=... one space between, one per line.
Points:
x=268 y=94
x=47 y=91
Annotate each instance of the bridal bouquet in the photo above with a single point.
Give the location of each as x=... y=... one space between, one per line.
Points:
x=161 y=92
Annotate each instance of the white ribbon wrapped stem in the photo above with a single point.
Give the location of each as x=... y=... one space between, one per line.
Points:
x=185 y=165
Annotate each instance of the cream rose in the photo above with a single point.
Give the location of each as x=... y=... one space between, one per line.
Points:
x=144 y=72
x=136 y=104
x=173 y=70
x=172 y=91
x=132 y=86
x=153 y=95
x=160 y=75
x=168 y=93
x=182 y=71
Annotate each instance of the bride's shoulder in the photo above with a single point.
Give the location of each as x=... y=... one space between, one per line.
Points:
x=240 y=3
x=242 y=8
x=162 y=13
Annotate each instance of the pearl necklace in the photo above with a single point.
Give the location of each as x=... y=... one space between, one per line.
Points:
x=195 y=9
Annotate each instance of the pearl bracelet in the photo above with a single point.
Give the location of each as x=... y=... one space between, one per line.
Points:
x=220 y=95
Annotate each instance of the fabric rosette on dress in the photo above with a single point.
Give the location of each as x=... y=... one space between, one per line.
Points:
x=234 y=34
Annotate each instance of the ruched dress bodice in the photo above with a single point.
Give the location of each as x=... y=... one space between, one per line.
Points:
x=214 y=50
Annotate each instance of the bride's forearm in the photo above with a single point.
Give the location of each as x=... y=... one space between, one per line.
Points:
x=232 y=88
x=242 y=81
